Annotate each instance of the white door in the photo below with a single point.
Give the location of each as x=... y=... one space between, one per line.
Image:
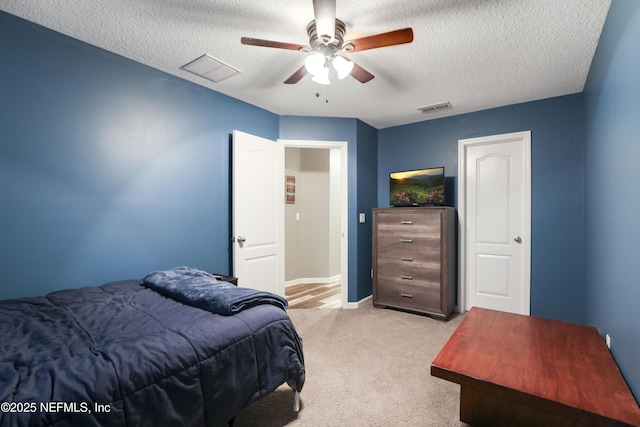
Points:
x=495 y=215
x=258 y=212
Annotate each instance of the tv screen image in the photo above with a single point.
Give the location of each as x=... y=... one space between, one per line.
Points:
x=421 y=187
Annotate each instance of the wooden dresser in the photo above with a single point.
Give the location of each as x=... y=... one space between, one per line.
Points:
x=414 y=259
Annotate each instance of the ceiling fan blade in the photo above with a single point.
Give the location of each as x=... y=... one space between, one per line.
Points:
x=297 y=76
x=391 y=38
x=325 y=17
x=278 y=45
x=360 y=74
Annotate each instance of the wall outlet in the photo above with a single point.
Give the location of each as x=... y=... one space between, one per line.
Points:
x=607 y=340
x=362 y=218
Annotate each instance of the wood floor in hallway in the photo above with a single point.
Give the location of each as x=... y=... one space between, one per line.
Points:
x=313 y=295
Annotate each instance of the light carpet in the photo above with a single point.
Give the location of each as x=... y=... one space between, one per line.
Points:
x=365 y=367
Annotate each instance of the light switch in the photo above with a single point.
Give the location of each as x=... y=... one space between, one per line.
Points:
x=362 y=218
x=297 y=216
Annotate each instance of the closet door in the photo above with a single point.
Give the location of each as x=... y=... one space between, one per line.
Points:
x=495 y=212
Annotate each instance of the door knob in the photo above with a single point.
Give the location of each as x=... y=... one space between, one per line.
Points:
x=241 y=239
x=518 y=239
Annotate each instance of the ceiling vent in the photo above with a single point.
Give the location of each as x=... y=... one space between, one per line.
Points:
x=210 y=68
x=434 y=108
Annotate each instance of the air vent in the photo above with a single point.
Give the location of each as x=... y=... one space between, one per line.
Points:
x=433 y=108
x=210 y=68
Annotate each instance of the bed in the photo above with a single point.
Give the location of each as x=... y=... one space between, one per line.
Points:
x=124 y=354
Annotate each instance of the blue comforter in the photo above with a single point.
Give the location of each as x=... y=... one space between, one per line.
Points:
x=201 y=289
x=123 y=355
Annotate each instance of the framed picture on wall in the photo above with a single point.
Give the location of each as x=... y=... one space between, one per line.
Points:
x=290 y=192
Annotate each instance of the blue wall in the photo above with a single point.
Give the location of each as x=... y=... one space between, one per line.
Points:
x=108 y=169
x=557 y=251
x=361 y=140
x=612 y=187
x=367 y=200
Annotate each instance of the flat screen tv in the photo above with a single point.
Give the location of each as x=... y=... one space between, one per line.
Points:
x=421 y=187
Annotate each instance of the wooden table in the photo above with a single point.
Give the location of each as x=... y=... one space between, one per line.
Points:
x=516 y=370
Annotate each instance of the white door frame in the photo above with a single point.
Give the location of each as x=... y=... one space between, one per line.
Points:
x=525 y=136
x=344 y=204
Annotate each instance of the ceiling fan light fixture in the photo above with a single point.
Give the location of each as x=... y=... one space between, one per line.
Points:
x=343 y=66
x=322 y=77
x=315 y=63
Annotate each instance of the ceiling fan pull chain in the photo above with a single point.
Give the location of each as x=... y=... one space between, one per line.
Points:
x=326 y=94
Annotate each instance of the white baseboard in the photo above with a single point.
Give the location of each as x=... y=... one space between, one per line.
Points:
x=362 y=303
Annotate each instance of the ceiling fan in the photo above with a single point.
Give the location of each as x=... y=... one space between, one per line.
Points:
x=326 y=45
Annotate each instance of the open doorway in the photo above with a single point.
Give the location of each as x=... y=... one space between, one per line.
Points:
x=315 y=224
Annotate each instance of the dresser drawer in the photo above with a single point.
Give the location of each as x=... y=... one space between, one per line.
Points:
x=409 y=223
x=417 y=276
x=403 y=263
x=417 y=298
x=419 y=248
x=410 y=216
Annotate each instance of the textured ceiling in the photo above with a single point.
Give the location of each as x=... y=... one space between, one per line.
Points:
x=476 y=54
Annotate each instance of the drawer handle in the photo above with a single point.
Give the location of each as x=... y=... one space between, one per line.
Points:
x=406 y=240
x=407 y=277
x=406 y=259
x=406 y=222
x=403 y=295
